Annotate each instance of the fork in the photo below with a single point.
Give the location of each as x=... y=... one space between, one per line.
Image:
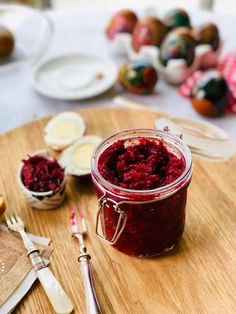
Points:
x=53 y=289
x=92 y=305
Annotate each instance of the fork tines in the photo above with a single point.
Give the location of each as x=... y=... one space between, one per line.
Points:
x=12 y=217
x=74 y=223
x=83 y=221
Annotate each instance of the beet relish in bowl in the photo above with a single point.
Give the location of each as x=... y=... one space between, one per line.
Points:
x=40 y=174
x=141 y=177
x=42 y=180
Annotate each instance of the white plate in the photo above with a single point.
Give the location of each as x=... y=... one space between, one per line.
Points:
x=72 y=77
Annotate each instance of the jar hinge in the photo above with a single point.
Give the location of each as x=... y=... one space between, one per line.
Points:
x=101 y=217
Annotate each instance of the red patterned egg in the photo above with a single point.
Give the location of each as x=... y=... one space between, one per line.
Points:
x=149 y=31
x=123 y=21
x=138 y=77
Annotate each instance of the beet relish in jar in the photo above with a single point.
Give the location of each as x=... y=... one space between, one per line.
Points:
x=141 y=177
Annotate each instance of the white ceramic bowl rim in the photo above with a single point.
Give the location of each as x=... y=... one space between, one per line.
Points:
x=44 y=44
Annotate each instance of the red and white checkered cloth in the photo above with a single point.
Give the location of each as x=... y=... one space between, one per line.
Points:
x=228 y=68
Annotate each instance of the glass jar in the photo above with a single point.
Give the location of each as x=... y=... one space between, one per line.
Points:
x=142 y=222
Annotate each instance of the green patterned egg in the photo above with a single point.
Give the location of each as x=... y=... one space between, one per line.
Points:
x=178 y=44
x=176 y=18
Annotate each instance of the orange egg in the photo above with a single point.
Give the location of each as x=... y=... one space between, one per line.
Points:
x=204 y=107
x=121 y=22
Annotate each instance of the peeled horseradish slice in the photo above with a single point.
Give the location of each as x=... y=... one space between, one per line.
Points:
x=76 y=158
x=63 y=130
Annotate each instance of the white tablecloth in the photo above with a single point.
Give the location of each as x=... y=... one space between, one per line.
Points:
x=84 y=32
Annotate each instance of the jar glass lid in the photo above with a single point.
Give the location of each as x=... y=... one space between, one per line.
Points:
x=205 y=140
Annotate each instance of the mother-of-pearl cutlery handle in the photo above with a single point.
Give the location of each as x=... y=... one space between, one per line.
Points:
x=57 y=296
x=53 y=289
x=92 y=304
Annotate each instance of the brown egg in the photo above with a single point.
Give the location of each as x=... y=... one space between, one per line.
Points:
x=149 y=31
x=208 y=33
x=6 y=42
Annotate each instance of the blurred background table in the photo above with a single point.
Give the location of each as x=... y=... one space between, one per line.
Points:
x=83 y=31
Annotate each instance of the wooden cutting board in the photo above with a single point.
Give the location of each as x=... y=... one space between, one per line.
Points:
x=199 y=276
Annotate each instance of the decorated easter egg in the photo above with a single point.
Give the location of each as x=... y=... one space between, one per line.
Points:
x=6 y=42
x=208 y=34
x=121 y=22
x=2 y=204
x=210 y=94
x=178 y=44
x=149 y=31
x=138 y=77
x=176 y=18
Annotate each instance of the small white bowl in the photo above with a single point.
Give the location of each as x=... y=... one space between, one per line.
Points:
x=42 y=200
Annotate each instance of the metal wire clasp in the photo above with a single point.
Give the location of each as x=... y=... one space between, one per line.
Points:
x=167 y=129
x=102 y=202
x=165 y=124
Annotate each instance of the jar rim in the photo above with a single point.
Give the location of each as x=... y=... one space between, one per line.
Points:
x=162 y=135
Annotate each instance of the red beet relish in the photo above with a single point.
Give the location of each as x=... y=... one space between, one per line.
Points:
x=143 y=164
x=40 y=174
x=152 y=228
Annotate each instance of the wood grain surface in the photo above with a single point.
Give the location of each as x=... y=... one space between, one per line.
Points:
x=199 y=276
